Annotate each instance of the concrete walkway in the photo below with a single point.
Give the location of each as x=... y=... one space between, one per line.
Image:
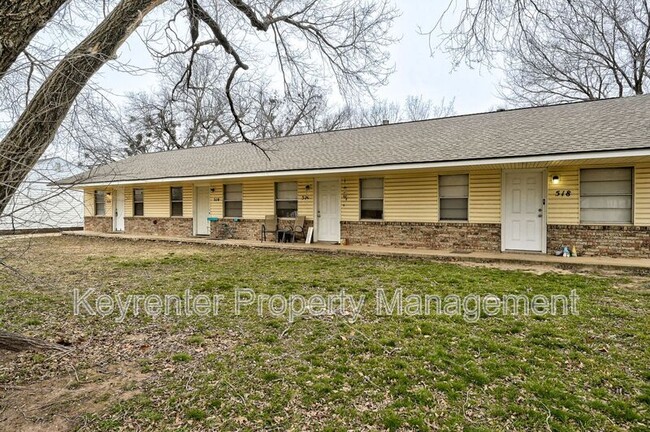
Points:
x=637 y=265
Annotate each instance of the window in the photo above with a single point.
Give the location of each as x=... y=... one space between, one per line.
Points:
x=177 y=201
x=372 y=198
x=138 y=202
x=454 y=193
x=606 y=196
x=100 y=203
x=232 y=200
x=286 y=199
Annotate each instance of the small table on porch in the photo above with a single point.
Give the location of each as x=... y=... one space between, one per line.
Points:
x=284 y=235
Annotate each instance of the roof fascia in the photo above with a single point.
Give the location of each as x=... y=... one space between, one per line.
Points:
x=387 y=167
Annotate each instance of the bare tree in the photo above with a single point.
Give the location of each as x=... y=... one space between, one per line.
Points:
x=417 y=108
x=19 y=22
x=586 y=50
x=198 y=115
x=377 y=113
x=414 y=108
x=310 y=39
x=555 y=51
x=35 y=129
x=349 y=36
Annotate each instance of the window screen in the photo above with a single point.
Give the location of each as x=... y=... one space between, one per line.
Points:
x=100 y=203
x=286 y=199
x=138 y=202
x=232 y=200
x=177 y=201
x=372 y=198
x=606 y=196
x=454 y=194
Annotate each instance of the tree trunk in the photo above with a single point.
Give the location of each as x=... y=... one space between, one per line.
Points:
x=16 y=342
x=20 y=20
x=36 y=127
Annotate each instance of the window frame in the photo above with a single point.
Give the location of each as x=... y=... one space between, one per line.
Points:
x=362 y=199
x=226 y=200
x=285 y=200
x=631 y=195
x=441 y=198
x=103 y=194
x=135 y=214
x=172 y=201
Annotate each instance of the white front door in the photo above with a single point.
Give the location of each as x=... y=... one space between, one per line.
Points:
x=523 y=222
x=118 y=209
x=202 y=210
x=328 y=213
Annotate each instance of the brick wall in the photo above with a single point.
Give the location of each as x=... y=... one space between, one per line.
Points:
x=248 y=229
x=98 y=223
x=175 y=227
x=601 y=240
x=443 y=236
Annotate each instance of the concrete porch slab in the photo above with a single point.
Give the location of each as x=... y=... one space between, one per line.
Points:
x=635 y=265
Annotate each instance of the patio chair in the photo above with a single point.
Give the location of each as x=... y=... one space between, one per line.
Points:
x=270 y=225
x=298 y=228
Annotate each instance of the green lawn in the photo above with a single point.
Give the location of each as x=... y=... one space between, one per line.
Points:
x=579 y=372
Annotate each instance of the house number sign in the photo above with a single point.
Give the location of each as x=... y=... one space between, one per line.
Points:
x=564 y=193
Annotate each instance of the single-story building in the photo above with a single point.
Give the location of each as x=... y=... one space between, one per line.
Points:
x=37 y=207
x=532 y=179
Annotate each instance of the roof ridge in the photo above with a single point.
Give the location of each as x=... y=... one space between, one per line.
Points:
x=456 y=116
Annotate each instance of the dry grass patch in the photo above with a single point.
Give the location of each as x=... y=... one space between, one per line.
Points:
x=227 y=372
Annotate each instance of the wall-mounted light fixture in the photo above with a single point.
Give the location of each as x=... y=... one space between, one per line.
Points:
x=307 y=187
x=212 y=190
x=556 y=179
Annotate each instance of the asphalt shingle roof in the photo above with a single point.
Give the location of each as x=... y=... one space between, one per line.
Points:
x=613 y=124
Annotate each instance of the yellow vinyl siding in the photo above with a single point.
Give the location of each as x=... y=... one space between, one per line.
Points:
x=156 y=201
x=350 y=198
x=258 y=198
x=128 y=202
x=306 y=197
x=89 y=201
x=188 y=200
x=563 y=210
x=411 y=197
x=485 y=196
x=216 y=199
x=642 y=194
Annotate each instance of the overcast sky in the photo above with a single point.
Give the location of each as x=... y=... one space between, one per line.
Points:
x=417 y=72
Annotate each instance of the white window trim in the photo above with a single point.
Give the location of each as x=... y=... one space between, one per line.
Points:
x=227 y=200
x=632 y=196
x=383 y=199
x=469 y=181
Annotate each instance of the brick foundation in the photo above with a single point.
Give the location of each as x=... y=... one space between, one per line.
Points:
x=589 y=240
x=247 y=229
x=166 y=226
x=98 y=224
x=442 y=236
x=601 y=240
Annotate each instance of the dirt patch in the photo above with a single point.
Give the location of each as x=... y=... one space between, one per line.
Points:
x=59 y=404
x=537 y=269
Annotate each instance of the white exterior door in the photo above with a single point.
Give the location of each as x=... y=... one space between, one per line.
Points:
x=328 y=212
x=202 y=210
x=523 y=222
x=118 y=209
